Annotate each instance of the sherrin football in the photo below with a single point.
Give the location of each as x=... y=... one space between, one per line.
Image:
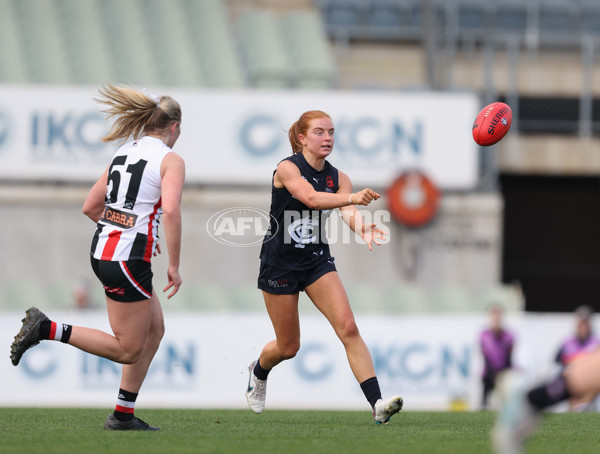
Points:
x=492 y=123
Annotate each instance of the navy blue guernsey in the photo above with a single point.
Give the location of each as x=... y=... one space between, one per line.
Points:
x=296 y=237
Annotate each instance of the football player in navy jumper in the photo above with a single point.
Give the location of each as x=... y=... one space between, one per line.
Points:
x=143 y=181
x=295 y=257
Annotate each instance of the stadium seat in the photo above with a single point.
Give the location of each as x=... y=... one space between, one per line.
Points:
x=405 y=297
x=130 y=49
x=473 y=18
x=511 y=16
x=309 y=50
x=589 y=20
x=197 y=296
x=342 y=13
x=13 y=68
x=21 y=294
x=450 y=298
x=41 y=38
x=173 y=54
x=262 y=44
x=365 y=298
x=245 y=297
x=506 y=296
x=85 y=43
x=212 y=42
x=557 y=17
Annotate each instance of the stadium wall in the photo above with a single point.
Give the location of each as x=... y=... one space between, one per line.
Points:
x=433 y=361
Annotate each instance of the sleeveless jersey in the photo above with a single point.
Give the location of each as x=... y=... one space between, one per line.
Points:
x=128 y=228
x=296 y=239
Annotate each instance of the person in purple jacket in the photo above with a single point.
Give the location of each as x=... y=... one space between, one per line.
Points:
x=496 y=347
x=584 y=339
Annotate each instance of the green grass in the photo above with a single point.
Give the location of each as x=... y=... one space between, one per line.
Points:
x=73 y=431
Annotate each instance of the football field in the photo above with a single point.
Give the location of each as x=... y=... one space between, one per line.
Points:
x=51 y=430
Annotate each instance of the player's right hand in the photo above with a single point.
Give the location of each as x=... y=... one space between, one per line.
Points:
x=365 y=197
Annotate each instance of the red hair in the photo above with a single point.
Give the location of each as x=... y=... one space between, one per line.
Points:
x=301 y=127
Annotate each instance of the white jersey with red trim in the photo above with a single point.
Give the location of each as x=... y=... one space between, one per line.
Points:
x=128 y=228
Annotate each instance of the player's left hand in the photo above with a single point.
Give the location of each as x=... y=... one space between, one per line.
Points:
x=157 y=251
x=371 y=234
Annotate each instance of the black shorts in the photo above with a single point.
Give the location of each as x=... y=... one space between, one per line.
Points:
x=289 y=282
x=126 y=281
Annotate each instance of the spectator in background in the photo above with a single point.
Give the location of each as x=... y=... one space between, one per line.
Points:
x=583 y=341
x=82 y=297
x=496 y=347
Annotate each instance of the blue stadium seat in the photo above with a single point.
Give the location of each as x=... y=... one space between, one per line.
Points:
x=557 y=17
x=511 y=16
x=344 y=13
x=473 y=18
x=589 y=20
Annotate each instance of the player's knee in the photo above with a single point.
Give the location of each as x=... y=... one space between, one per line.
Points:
x=131 y=357
x=157 y=330
x=289 y=351
x=348 y=330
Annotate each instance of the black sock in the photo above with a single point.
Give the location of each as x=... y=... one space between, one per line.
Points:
x=260 y=373
x=125 y=405
x=549 y=394
x=370 y=388
x=50 y=330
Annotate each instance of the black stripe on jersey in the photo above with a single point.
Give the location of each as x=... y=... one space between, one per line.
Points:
x=138 y=248
x=96 y=237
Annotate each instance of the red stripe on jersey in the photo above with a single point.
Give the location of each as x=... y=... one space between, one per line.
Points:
x=111 y=245
x=150 y=243
x=124 y=409
x=52 y=330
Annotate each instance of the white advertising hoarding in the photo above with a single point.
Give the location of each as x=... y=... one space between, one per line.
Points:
x=52 y=133
x=202 y=362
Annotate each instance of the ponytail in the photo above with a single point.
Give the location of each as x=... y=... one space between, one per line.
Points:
x=135 y=112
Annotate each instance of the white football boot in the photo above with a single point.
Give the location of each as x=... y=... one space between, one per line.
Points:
x=517 y=419
x=256 y=394
x=385 y=409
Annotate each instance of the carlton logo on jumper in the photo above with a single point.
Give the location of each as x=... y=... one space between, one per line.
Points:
x=241 y=227
x=305 y=227
x=367 y=137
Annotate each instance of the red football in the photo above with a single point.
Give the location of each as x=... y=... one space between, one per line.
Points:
x=492 y=123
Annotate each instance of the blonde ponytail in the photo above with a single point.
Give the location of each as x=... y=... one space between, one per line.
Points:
x=135 y=112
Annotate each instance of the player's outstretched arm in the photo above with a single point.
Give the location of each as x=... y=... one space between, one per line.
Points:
x=288 y=176
x=370 y=233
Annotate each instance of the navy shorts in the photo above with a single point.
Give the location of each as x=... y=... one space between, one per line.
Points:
x=126 y=281
x=289 y=282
